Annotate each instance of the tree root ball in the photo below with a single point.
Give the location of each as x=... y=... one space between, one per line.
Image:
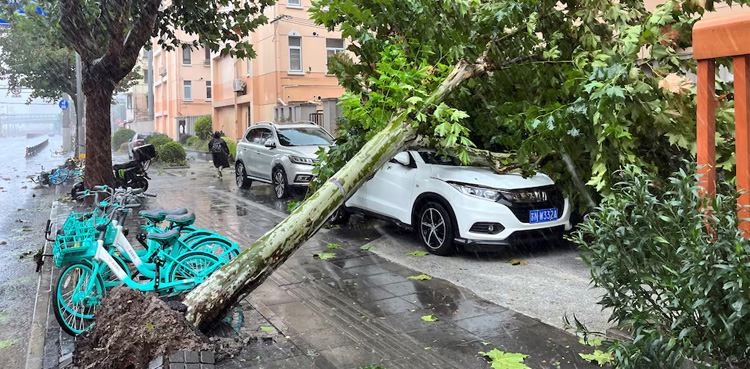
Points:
x=132 y=329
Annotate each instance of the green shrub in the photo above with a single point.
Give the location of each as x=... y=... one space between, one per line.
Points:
x=232 y=147
x=122 y=135
x=204 y=127
x=158 y=140
x=123 y=149
x=681 y=287
x=171 y=153
x=191 y=141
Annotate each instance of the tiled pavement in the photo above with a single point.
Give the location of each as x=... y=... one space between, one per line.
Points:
x=356 y=309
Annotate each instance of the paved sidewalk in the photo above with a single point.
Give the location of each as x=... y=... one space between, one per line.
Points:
x=355 y=309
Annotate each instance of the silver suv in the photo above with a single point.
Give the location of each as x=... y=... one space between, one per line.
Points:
x=280 y=154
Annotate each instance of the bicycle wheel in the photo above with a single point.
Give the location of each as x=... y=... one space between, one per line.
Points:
x=78 y=295
x=58 y=176
x=223 y=249
x=193 y=264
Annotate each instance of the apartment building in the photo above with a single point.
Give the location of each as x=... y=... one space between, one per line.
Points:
x=288 y=80
x=183 y=91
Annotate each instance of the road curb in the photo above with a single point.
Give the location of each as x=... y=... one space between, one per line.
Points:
x=37 y=334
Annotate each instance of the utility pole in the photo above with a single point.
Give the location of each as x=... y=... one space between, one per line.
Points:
x=79 y=104
x=66 y=125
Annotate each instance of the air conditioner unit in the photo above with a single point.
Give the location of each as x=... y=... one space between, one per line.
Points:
x=238 y=85
x=162 y=71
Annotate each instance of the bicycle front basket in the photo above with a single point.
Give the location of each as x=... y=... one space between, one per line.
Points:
x=72 y=248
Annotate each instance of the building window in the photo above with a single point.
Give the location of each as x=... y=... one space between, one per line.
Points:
x=129 y=102
x=187 y=88
x=294 y=3
x=333 y=46
x=295 y=54
x=186 y=55
x=209 y=92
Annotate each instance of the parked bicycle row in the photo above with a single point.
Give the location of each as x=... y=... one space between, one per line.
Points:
x=95 y=254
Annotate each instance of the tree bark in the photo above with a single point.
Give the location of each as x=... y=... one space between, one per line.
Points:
x=98 y=92
x=211 y=300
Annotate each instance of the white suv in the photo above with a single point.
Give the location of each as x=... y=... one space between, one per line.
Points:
x=280 y=154
x=449 y=204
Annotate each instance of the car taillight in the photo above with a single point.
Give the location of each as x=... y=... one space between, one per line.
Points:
x=138 y=143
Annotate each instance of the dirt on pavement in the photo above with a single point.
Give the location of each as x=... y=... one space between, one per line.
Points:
x=132 y=329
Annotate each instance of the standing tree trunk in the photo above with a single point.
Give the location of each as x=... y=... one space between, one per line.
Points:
x=98 y=92
x=211 y=300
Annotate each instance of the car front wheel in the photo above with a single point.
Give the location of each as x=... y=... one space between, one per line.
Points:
x=435 y=229
x=241 y=176
x=280 y=185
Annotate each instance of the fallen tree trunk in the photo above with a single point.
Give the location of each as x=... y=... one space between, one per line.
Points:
x=211 y=300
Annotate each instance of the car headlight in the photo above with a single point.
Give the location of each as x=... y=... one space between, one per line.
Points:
x=476 y=191
x=301 y=160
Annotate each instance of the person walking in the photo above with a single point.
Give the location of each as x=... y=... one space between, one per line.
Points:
x=219 y=152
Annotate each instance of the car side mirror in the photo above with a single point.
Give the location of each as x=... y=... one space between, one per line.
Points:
x=403 y=158
x=269 y=143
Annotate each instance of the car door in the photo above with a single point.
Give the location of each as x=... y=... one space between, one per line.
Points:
x=389 y=192
x=264 y=155
x=252 y=152
x=244 y=148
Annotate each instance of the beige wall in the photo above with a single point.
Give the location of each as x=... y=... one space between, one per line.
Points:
x=268 y=77
x=170 y=104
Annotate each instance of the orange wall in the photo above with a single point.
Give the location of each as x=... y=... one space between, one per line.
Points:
x=169 y=100
x=269 y=78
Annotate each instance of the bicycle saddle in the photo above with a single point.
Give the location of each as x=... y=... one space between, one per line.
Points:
x=160 y=213
x=164 y=237
x=182 y=219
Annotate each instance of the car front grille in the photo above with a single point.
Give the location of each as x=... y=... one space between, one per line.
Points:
x=554 y=199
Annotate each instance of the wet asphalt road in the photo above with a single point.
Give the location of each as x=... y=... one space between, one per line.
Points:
x=24 y=209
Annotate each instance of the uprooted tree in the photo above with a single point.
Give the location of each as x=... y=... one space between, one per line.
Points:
x=108 y=35
x=564 y=83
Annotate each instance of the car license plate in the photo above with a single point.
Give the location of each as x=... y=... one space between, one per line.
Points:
x=542 y=215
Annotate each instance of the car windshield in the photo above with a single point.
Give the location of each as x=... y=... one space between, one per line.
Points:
x=437 y=159
x=312 y=136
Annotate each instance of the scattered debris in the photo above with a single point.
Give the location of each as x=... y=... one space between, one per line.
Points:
x=333 y=246
x=366 y=248
x=599 y=356
x=417 y=253
x=429 y=318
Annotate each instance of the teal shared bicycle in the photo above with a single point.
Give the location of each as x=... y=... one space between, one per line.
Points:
x=85 y=249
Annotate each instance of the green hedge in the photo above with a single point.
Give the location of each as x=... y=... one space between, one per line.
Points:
x=204 y=127
x=158 y=140
x=171 y=153
x=232 y=147
x=123 y=149
x=121 y=136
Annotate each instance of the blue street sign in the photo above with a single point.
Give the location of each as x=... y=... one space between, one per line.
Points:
x=63 y=104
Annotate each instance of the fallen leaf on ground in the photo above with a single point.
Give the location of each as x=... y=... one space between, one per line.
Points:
x=366 y=248
x=267 y=329
x=3 y=243
x=421 y=277
x=333 y=246
x=518 y=262
x=325 y=255
x=8 y=343
x=505 y=360
x=598 y=356
x=417 y=253
x=429 y=318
